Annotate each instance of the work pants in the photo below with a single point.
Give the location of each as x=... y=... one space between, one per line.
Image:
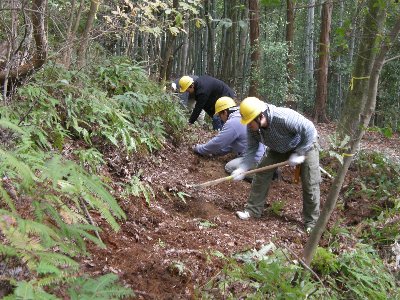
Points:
x=310 y=179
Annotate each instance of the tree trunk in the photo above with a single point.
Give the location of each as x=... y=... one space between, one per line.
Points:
x=169 y=46
x=365 y=113
x=243 y=41
x=38 y=17
x=255 y=47
x=71 y=34
x=185 y=50
x=356 y=98
x=289 y=42
x=309 y=64
x=84 y=42
x=322 y=81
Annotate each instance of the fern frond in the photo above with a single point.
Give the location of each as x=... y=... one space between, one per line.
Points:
x=57 y=259
x=46 y=268
x=28 y=291
x=102 y=288
x=8 y=251
x=97 y=188
x=13 y=127
x=103 y=208
x=23 y=170
x=82 y=230
x=7 y=199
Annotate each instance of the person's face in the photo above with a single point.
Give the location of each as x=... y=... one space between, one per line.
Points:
x=253 y=125
x=190 y=89
x=223 y=115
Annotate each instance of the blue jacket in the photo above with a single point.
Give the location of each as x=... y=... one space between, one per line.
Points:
x=232 y=138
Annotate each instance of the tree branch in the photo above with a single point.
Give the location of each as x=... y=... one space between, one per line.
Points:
x=392 y=58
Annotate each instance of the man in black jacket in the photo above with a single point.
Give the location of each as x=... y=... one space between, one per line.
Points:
x=206 y=90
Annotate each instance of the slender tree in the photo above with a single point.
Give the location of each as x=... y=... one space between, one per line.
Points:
x=322 y=78
x=309 y=51
x=255 y=46
x=39 y=57
x=84 y=41
x=365 y=112
x=290 y=41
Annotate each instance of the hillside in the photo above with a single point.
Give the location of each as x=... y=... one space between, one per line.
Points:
x=166 y=248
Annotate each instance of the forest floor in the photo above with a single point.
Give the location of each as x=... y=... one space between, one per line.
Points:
x=164 y=249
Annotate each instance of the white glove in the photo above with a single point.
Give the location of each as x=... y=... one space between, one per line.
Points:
x=236 y=174
x=296 y=159
x=194 y=148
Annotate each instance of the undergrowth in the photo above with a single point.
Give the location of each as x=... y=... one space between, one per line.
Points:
x=359 y=273
x=271 y=273
x=46 y=199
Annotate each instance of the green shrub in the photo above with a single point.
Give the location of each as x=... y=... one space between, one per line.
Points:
x=324 y=262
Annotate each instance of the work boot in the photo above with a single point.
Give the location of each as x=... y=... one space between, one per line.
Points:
x=277 y=175
x=243 y=215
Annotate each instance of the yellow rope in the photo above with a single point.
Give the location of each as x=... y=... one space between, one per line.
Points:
x=347 y=155
x=359 y=78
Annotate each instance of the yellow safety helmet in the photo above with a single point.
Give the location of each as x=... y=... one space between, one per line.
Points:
x=224 y=103
x=250 y=108
x=185 y=82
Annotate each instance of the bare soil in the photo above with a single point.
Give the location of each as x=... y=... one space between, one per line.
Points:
x=165 y=248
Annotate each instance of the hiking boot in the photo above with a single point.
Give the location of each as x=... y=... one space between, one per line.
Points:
x=243 y=215
x=277 y=175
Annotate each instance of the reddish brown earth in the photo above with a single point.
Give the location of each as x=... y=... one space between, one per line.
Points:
x=164 y=249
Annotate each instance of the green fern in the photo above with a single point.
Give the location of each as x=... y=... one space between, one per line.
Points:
x=14 y=168
x=102 y=288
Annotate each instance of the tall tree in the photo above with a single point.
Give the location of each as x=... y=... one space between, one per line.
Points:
x=209 y=6
x=375 y=60
x=84 y=41
x=309 y=51
x=355 y=101
x=166 y=60
x=322 y=78
x=73 y=25
x=254 y=45
x=38 y=58
x=289 y=42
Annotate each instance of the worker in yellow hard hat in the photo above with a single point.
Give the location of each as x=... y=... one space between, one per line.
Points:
x=288 y=136
x=205 y=90
x=231 y=139
x=186 y=100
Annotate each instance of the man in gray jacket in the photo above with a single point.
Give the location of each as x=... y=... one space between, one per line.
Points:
x=232 y=137
x=288 y=136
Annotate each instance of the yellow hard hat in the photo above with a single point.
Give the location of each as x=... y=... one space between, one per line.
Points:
x=250 y=108
x=185 y=82
x=224 y=103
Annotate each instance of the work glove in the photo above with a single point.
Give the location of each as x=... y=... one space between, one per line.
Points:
x=236 y=174
x=296 y=159
x=194 y=148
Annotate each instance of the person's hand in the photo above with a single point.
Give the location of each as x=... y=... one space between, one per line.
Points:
x=238 y=174
x=296 y=159
x=194 y=148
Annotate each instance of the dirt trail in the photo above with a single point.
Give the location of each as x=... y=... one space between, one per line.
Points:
x=165 y=250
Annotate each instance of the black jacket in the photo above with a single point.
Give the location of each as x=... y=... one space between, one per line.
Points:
x=207 y=91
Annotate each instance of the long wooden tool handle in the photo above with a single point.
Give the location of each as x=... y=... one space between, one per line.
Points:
x=219 y=180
